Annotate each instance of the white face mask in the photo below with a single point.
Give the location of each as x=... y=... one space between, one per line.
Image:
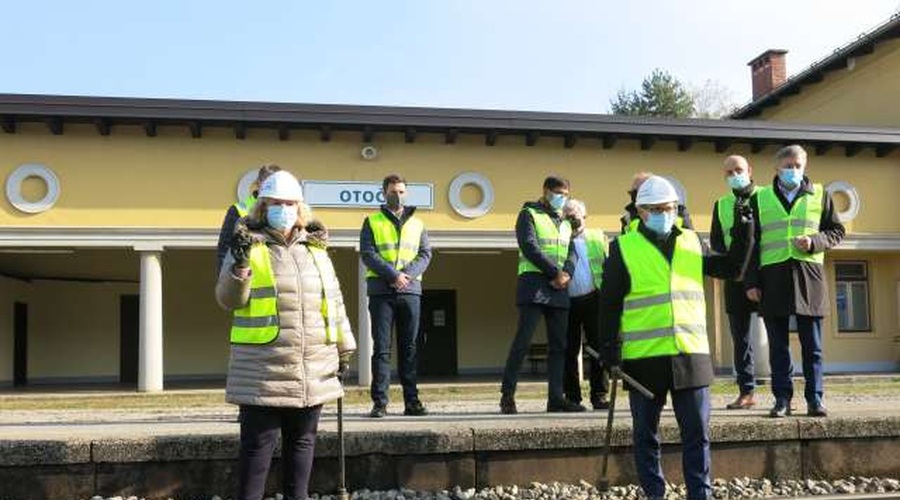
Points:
x=281 y=217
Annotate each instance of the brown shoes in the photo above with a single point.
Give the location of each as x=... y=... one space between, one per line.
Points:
x=743 y=402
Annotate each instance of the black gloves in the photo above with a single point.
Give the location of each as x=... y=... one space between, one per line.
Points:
x=611 y=354
x=343 y=368
x=240 y=244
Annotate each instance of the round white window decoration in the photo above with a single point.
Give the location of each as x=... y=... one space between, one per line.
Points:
x=852 y=197
x=247 y=180
x=471 y=179
x=14 y=188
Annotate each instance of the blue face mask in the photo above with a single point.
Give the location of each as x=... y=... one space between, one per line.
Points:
x=660 y=223
x=281 y=217
x=557 y=201
x=738 y=181
x=790 y=177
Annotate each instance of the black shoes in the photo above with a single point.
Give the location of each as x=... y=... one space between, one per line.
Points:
x=564 y=406
x=415 y=409
x=378 y=411
x=781 y=409
x=816 y=410
x=600 y=403
x=508 y=404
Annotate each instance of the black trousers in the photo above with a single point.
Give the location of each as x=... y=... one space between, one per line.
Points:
x=529 y=315
x=386 y=311
x=584 y=316
x=260 y=427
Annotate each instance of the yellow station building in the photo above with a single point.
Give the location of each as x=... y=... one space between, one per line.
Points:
x=112 y=208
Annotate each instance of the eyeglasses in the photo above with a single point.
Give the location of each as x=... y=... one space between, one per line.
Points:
x=659 y=209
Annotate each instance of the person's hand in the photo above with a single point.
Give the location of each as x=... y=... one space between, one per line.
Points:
x=560 y=281
x=344 y=367
x=803 y=243
x=754 y=294
x=401 y=282
x=611 y=355
x=240 y=244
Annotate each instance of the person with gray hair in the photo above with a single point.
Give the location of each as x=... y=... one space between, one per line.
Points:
x=795 y=224
x=590 y=248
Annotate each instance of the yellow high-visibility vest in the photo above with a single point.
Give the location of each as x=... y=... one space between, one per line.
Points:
x=553 y=241
x=397 y=249
x=664 y=313
x=725 y=209
x=257 y=322
x=596 y=243
x=778 y=228
x=244 y=206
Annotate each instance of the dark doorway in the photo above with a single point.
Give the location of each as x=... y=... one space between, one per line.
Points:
x=437 y=334
x=129 y=338
x=20 y=344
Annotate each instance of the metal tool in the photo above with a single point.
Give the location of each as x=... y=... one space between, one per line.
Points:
x=615 y=373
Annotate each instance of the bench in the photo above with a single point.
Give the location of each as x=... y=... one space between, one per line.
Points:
x=537 y=354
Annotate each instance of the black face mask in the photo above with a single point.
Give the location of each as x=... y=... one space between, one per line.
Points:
x=394 y=201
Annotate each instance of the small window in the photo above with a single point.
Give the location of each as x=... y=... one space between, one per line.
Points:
x=852 y=296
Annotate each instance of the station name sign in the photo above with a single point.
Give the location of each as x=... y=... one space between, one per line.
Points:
x=352 y=194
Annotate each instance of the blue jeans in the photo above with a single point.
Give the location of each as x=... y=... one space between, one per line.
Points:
x=692 y=410
x=809 y=329
x=557 y=320
x=385 y=311
x=743 y=351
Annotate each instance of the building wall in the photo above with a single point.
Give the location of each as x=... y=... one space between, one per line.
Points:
x=127 y=179
x=863 y=95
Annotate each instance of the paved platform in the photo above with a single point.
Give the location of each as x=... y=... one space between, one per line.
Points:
x=159 y=452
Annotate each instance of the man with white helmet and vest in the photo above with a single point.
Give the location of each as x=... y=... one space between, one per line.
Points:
x=652 y=292
x=546 y=264
x=630 y=218
x=590 y=247
x=738 y=175
x=240 y=209
x=796 y=224
x=394 y=247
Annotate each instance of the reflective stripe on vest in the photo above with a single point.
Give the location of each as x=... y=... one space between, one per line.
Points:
x=400 y=249
x=664 y=313
x=553 y=241
x=633 y=223
x=595 y=241
x=244 y=206
x=725 y=210
x=257 y=322
x=778 y=228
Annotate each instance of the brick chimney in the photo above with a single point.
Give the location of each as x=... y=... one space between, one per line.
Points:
x=768 y=70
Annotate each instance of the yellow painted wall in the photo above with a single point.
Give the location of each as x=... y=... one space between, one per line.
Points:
x=127 y=179
x=864 y=95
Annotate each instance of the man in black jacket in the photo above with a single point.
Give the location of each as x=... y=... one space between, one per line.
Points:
x=546 y=264
x=665 y=354
x=796 y=223
x=738 y=175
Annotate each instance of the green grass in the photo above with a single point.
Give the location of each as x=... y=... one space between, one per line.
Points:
x=360 y=395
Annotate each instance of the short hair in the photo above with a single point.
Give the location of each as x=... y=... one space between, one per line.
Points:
x=556 y=181
x=573 y=206
x=265 y=171
x=639 y=179
x=392 y=179
x=791 y=151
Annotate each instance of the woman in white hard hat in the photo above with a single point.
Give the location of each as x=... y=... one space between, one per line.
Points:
x=290 y=336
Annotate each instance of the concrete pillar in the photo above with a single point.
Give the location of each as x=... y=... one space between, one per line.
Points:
x=364 y=344
x=150 y=354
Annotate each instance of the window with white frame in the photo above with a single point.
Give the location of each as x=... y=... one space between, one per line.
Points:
x=852 y=295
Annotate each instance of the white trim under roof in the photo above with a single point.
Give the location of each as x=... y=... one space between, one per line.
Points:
x=148 y=238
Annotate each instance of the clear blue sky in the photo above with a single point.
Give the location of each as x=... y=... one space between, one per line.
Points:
x=551 y=55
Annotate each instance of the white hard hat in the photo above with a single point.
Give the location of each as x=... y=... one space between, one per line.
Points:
x=281 y=185
x=655 y=190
